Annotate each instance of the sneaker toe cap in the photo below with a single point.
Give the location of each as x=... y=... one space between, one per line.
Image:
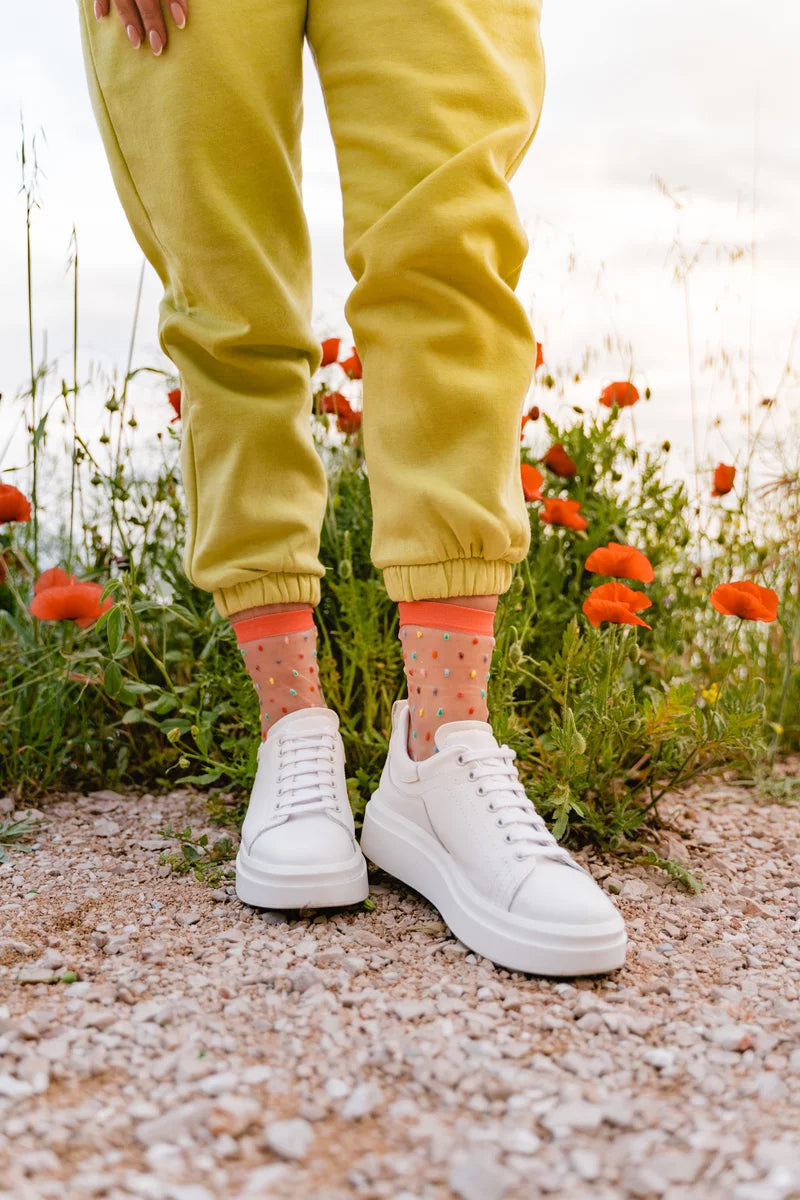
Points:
x=556 y=892
x=313 y=841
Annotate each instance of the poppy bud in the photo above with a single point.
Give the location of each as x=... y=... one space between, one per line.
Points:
x=515 y=654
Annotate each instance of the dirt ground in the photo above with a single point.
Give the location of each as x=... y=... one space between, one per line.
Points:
x=158 y=1039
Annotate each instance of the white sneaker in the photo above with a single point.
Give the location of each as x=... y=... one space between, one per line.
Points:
x=298 y=846
x=459 y=828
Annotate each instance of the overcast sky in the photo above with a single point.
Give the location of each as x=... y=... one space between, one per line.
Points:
x=705 y=96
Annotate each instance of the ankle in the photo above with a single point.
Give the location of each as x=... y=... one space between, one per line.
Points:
x=447 y=650
x=418 y=750
x=280 y=656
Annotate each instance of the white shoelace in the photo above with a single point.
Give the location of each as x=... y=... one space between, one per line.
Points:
x=306 y=773
x=499 y=775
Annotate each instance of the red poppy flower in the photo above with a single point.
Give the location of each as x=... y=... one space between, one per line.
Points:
x=620 y=593
x=559 y=461
x=53 y=577
x=747 y=600
x=75 y=601
x=532 y=481
x=623 y=393
x=349 y=422
x=724 y=476
x=539 y=356
x=330 y=351
x=174 y=398
x=597 y=611
x=335 y=402
x=13 y=505
x=624 y=562
x=563 y=512
x=352 y=365
x=616 y=603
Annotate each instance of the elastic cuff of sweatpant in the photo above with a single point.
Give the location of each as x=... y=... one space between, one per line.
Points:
x=452 y=577
x=267 y=589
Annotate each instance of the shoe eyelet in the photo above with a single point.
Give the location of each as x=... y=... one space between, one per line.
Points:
x=508 y=837
x=460 y=760
x=490 y=807
x=500 y=823
x=480 y=790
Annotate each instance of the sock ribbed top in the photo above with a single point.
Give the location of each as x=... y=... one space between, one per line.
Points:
x=269 y=624
x=433 y=614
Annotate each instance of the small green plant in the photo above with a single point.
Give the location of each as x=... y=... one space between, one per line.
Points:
x=14 y=832
x=208 y=863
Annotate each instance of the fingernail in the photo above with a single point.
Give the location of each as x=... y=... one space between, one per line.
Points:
x=98 y=12
x=178 y=15
x=133 y=36
x=156 y=44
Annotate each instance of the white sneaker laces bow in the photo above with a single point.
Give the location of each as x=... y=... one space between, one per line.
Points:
x=523 y=824
x=306 y=773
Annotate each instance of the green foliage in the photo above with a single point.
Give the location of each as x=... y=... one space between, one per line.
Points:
x=603 y=721
x=14 y=831
x=208 y=863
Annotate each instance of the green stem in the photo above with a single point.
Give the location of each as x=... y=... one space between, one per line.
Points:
x=74 y=395
x=29 y=203
x=729 y=666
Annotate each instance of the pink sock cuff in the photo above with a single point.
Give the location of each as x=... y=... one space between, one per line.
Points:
x=435 y=614
x=270 y=624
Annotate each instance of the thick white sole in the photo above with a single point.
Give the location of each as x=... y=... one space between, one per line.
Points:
x=407 y=852
x=301 y=887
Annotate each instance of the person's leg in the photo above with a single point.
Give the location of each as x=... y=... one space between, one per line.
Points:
x=204 y=148
x=278 y=643
x=436 y=246
x=447 y=652
x=432 y=107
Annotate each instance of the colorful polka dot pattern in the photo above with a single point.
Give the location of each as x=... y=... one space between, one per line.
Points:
x=447 y=674
x=284 y=672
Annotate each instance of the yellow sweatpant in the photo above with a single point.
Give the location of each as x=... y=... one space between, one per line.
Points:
x=432 y=106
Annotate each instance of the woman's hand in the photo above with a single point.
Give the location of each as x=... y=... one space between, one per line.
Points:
x=144 y=19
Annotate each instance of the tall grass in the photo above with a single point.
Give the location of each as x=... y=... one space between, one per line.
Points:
x=604 y=720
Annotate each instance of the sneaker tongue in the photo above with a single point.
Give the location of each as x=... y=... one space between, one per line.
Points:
x=474 y=735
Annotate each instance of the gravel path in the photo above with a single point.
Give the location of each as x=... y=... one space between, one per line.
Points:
x=207 y=1051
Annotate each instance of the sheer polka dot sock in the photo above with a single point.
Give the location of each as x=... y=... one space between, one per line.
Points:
x=447 y=655
x=280 y=656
